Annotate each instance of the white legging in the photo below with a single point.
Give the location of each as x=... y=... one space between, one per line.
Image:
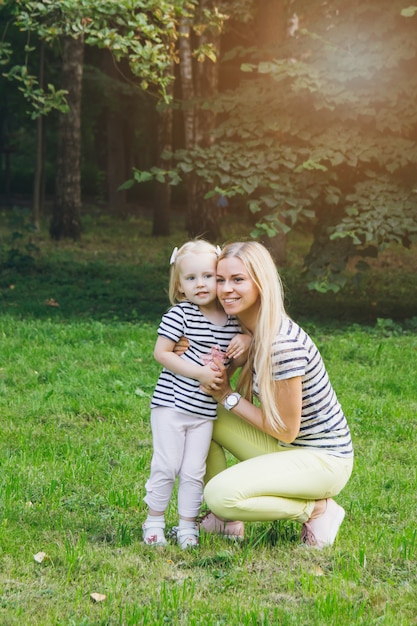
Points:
x=180 y=446
x=271 y=482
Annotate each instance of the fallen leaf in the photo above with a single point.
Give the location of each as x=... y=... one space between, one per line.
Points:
x=97 y=597
x=317 y=571
x=51 y=302
x=40 y=556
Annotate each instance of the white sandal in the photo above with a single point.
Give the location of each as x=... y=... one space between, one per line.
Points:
x=187 y=537
x=153 y=533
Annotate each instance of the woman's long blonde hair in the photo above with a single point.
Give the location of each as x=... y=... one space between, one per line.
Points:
x=262 y=270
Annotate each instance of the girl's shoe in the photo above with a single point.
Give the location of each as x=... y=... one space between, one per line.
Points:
x=321 y=531
x=187 y=537
x=153 y=533
x=230 y=530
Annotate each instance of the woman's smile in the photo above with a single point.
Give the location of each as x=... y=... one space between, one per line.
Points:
x=236 y=290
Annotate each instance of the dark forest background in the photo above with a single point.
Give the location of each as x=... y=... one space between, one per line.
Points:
x=282 y=115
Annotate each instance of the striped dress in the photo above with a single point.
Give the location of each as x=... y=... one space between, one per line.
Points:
x=178 y=392
x=323 y=423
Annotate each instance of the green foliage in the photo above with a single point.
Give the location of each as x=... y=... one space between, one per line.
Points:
x=379 y=214
x=143 y=33
x=409 y=11
x=323 y=133
x=42 y=101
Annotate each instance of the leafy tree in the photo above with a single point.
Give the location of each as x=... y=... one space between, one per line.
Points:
x=201 y=26
x=322 y=133
x=142 y=32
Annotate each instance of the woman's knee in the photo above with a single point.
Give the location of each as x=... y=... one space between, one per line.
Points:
x=215 y=497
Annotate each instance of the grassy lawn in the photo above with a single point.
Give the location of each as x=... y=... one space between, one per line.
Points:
x=77 y=332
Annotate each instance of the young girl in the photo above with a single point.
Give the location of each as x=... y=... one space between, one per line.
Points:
x=181 y=413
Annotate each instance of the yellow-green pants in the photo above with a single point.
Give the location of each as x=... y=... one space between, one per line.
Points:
x=271 y=481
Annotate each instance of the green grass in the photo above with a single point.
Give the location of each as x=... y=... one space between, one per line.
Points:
x=75 y=448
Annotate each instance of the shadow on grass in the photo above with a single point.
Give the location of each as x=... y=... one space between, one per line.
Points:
x=119 y=272
x=107 y=291
x=128 y=280
x=94 y=290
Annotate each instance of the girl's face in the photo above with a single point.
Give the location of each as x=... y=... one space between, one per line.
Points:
x=197 y=278
x=237 y=292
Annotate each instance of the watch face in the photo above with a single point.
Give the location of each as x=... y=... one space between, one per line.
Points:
x=231 y=400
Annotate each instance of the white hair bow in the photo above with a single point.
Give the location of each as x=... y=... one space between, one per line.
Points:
x=218 y=250
x=173 y=255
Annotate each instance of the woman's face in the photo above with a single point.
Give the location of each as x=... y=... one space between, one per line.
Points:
x=236 y=290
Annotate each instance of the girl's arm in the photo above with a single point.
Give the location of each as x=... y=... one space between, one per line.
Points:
x=165 y=355
x=237 y=350
x=288 y=398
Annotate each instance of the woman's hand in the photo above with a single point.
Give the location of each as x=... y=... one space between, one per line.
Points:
x=181 y=346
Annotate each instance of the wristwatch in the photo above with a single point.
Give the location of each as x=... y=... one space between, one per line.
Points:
x=231 y=400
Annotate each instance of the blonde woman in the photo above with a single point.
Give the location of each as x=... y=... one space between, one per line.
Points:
x=182 y=414
x=294 y=444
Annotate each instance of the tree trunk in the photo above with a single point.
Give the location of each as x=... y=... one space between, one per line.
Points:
x=115 y=146
x=38 y=178
x=116 y=165
x=271 y=26
x=66 y=222
x=162 y=199
x=271 y=23
x=187 y=93
x=199 y=80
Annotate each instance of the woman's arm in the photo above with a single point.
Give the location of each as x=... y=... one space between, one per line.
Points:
x=288 y=399
x=165 y=355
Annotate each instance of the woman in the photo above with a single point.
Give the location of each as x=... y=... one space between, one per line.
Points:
x=294 y=444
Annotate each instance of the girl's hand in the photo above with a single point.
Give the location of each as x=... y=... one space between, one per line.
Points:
x=220 y=387
x=238 y=346
x=209 y=377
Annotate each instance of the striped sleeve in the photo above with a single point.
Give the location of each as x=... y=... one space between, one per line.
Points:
x=323 y=423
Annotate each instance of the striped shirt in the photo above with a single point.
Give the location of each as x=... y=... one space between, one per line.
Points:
x=184 y=394
x=323 y=423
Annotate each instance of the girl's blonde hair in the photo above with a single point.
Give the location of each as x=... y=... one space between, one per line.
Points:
x=262 y=270
x=196 y=246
